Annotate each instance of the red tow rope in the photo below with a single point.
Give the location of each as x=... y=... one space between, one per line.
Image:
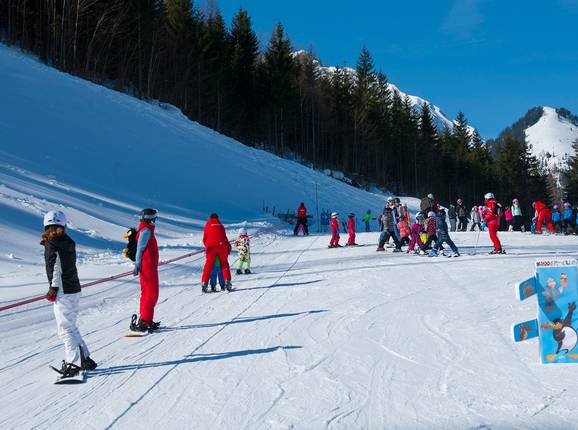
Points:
x=125 y=274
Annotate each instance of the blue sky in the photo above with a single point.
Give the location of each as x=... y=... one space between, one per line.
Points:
x=492 y=59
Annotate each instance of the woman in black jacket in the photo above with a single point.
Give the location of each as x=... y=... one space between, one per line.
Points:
x=64 y=292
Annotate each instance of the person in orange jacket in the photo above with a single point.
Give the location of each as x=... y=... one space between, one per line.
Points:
x=543 y=216
x=216 y=244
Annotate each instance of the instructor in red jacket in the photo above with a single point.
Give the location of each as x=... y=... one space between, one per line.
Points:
x=492 y=220
x=216 y=244
x=544 y=215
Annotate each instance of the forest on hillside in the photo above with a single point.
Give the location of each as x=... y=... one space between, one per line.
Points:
x=269 y=96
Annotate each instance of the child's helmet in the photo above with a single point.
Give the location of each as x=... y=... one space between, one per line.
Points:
x=555 y=207
x=419 y=217
x=567 y=205
x=334 y=214
x=515 y=201
x=351 y=215
x=55 y=218
x=149 y=215
x=489 y=196
x=242 y=231
x=431 y=213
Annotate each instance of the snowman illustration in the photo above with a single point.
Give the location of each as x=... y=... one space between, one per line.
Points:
x=564 y=334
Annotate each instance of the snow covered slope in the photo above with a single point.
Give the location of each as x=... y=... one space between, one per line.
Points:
x=552 y=138
x=103 y=155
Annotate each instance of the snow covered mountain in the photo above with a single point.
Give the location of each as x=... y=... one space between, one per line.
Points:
x=550 y=132
x=440 y=119
x=552 y=136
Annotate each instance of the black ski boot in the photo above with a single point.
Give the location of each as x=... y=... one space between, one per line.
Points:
x=213 y=288
x=223 y=287
x=139 y=326
x=228 y=285
x=239 y=272
x=247 y=272
x=68 y=370
x=86 y=363
x=205 y=287
x=154 y=325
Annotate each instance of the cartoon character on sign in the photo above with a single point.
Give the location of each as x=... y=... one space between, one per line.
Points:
x=564 y=334
x=556 y=287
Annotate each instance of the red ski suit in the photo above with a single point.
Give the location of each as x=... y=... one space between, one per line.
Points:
x=334 y=232
x=149 y=275
x=351 y=231
x=544 y=217
x=493 y=222
x=216 y=244
x=302 y=212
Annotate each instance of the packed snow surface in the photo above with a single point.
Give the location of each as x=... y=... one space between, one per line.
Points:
x=316 y=338
x=552 y=138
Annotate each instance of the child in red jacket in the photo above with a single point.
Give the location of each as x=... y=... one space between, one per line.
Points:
x=334 y=242
x=351 y=230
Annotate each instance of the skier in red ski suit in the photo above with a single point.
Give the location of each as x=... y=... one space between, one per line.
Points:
x=146 y=266
x=334 y=242
x=544 y=215
x=301 y=220
x=351 y=230
x=492 y=220
x=216 y=244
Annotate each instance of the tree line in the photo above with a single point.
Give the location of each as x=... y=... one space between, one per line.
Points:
x=271 y=97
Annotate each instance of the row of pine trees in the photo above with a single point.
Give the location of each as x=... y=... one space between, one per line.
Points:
x=270 y=96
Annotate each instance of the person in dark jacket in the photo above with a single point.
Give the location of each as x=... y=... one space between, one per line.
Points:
x=443 y=236
x=452 y=215
x=64 y=292
x=462 y=213
x=429 y=204
x=388 y=231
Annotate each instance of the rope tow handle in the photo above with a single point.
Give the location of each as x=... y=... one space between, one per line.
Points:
x=126 y=274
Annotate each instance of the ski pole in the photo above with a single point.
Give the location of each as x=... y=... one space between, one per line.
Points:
x=477 y=240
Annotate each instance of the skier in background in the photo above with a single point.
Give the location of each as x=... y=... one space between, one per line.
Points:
x=476 y=219
x=388 y=231
x=556 y=219
x=462 y=213
x=146 y=267
x=491 y=219
x=416 y=230
x=543 y=216
x=244 y=247
x=367 y=219
x=517 y=214
x=351 y=230
x=443 y=236
x=567 y=218
x=64 y=293
x=301 y=220
x=509 y=218
x=334 y=242
x=324 y=220
x=452 y=215
x=216 y=244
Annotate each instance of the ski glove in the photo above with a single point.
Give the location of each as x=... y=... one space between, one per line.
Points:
x=51 y=294
x=484 y=225
x=136 y=269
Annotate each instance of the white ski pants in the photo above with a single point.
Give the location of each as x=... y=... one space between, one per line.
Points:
x=66 y=313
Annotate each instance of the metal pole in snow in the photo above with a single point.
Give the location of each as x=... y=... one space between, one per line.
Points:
x=317 y=209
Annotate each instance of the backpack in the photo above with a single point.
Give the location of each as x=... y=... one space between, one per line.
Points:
x=130 y=250
x=425 y=204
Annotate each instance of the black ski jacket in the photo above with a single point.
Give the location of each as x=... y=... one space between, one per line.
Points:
x=60 y=258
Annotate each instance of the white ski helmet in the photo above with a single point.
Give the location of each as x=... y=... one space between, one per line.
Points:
x=334 y=214
x=55 y=218
x=431 y=213
x=489 y=196
x=390 y=199
x=430 y=196
x=242 y=231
